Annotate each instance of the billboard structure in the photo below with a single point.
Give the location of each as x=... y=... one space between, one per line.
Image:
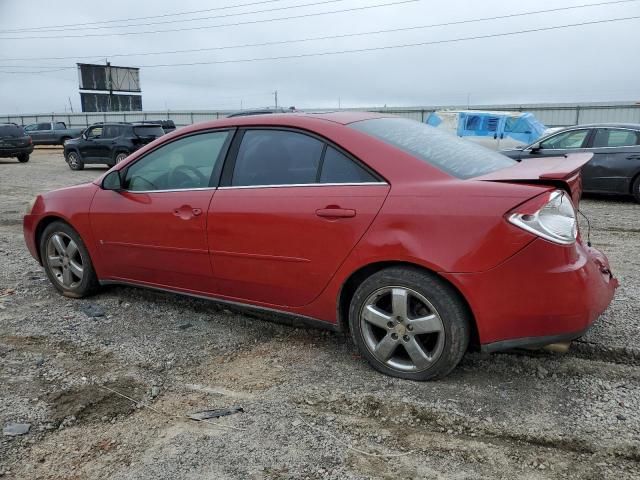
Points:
x=107 y=88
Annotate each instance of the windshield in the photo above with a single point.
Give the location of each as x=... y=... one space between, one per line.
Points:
x=457 y=157
x=149 y=131
x=11 y=131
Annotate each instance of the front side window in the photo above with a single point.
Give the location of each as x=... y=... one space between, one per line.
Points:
x=566 y=140
x=183 y=164
x=455 y=156
x=60 y=126
x=607 y=138
x=276 y=157
x=94 y=132
x=43 y=126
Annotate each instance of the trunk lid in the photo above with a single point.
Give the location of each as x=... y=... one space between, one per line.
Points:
x=561 y=172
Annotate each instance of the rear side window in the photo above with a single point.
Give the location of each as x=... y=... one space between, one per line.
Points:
x=338 y=168
x=148 y=131
x=11 y=131
x=607 y=138
x=276 y=157
x=60 y=126
x=111 y=131
x=455 y=156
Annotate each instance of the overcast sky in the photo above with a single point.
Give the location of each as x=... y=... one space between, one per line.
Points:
x=586 y=63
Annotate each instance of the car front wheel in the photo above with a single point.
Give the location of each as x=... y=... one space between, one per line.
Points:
x=23 y=157
x=66 y=261
x=74 y=161
x=409 y=323
x=120 y=157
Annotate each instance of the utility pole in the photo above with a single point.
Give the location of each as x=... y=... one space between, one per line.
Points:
x=275 y=94
x=109 y=86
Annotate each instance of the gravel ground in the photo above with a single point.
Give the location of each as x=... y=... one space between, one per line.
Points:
x=312 y=407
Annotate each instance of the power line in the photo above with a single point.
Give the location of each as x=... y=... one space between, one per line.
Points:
x=310 y=39
x=291 y=7
x=191 y=12
x=370 y=49
x=207 y=27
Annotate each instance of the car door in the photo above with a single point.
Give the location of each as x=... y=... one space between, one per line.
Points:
x=88 y=147
x=567 y=141
x=40 y=133
x=289 y=210
x=616 y=159
x=103 y=145
x=154 y=231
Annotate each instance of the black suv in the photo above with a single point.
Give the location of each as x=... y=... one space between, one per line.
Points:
x=108 y=143
x=14 y=142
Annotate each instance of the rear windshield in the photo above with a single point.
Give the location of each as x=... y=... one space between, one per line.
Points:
x=11 y=131
x=148 y=131
x=457 y=157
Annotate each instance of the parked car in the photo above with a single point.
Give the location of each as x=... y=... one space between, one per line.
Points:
x=415 y=241
x=108 y=143
x=615 y=166
x=51 y=133
x=494 y=130
x=14 y=142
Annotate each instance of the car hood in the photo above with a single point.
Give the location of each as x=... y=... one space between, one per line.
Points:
x=73 y=141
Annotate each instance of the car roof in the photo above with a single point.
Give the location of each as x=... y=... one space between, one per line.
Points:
x=301 y=120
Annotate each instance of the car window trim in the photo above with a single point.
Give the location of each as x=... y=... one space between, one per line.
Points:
x=216 y=172
x=230 y=161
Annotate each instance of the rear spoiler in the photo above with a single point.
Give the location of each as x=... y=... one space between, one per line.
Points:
x=562 y=172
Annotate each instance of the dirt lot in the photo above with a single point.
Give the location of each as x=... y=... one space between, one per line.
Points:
x=312 y=408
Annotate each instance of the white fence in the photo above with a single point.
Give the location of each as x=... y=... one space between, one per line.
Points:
x=552 y=115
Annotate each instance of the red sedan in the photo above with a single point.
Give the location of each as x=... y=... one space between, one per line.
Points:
x=417 y=242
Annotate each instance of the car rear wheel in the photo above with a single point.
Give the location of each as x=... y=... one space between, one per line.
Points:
x=66 y=261
x=74 y=161
x=23 y=157
x=635 y=189
x=410 y=324
x=121 y=156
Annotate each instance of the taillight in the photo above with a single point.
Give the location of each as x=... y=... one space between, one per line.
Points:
x=30 y=140
x=550 y=216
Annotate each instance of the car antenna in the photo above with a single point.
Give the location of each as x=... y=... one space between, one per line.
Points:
x=588 y=227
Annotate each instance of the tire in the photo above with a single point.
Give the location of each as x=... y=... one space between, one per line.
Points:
x=23 y=157
x=75 y=161
x=385 y=332
x=66 y=261
x=120 y=157
x=635 y=189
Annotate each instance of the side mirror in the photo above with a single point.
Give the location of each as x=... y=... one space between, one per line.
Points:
x=84 y=136
x=113 y=181
x=536 y=147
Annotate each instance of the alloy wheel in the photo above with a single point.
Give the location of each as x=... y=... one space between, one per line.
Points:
x=64 y=260
x=402 y=329
x=120 y=157
x=73 y=159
